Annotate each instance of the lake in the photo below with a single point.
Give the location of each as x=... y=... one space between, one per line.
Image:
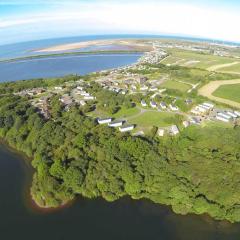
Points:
x=93 y=219
x=64 y=65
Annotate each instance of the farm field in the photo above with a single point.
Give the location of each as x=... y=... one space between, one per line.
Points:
x=231 y=92
x=235 y=68
x=189 y=58
x=209 y=89
x=176 y=85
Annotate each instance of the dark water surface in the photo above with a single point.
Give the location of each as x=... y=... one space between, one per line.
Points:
x=60 y=66
x=93 y=219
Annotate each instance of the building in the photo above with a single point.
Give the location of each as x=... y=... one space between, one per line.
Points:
x=161 y=132
x=89 y=98
x=143 y=103
x=237 y=113
x=163 y=105
x=153 y=104
x=223 y=119
x=233 y=115
x=104 y=120
x=173 y=107
x=186 y=124
x=82 y=103
x=174 y=130
x=142 y=80
x=115 y=124
x=126 y=128
x=144 y=88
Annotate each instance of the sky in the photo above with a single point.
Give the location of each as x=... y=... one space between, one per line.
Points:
x=25 y=20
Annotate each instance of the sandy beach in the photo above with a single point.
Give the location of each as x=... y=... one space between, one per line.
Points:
x=133 y=44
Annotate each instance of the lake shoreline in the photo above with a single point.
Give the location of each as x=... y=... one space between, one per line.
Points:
x=92 y=53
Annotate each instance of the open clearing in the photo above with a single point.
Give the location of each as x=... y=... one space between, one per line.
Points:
x=210 y=88
x=183 y=87
x=153 y=118
x=234 y=69
x=189 y=58
x=223 y=67
x=230 y=92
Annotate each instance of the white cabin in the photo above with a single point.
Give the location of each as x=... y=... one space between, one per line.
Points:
x=126 y=128
x=115 y=124
x=104 y=120
x=174 y=130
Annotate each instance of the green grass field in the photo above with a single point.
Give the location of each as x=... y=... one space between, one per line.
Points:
x=149 y=119
x=234 y=68
x=126 y=112
x=194 y=59
x=230 y=92
x=176 y=86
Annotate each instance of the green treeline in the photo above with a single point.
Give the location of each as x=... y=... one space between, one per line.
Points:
x=196 y=172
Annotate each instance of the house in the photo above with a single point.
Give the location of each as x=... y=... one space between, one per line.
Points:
x=58 y=88
x=186 y=124
x=144 y=88
x=126 y=128
x=221 y=118
x=143 y=103
x=104 y=120
x=161 y=132
x=224 y=115
x=173 y=107
x=80 y=88
x=153 y=104
x=233 y=115
x=89 y=98
x=188 y=101
x=163 y=105
x=153 y=89
x=237 y=113
x=208 y=105
x=174 y=130
x=115 y=124
x=82 y=103
x=195 y=120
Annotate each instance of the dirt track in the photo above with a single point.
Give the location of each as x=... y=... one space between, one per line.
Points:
x=211 y=87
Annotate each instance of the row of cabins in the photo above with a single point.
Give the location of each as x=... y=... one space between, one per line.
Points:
x=203 y=109
x=119 y=124
x=227 y=116
x=224 y=116
x=163 y=105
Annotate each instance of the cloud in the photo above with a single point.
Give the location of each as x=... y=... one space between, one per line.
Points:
x=143 y=17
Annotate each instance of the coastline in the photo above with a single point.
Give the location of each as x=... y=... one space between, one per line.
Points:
x=69 y=54
x=30 y=203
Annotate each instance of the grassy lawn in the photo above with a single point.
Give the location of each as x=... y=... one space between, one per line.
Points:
x=198 y=59
x=149 y=119
x=234 y=68
x=230 y=92
x=126 y=112
x=176 y=86
x=122 y=113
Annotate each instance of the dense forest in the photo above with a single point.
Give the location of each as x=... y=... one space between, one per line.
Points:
x=196 y=172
